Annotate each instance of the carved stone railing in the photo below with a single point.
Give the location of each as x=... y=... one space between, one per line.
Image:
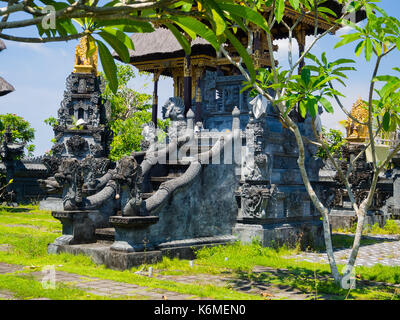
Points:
x=155 y=202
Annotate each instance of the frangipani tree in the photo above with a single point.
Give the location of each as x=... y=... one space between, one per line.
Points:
x=317 y=85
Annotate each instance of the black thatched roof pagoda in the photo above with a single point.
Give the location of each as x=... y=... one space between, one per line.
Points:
x=162 y=44
x=2 y=45
x=161 y=54
x=5 y=87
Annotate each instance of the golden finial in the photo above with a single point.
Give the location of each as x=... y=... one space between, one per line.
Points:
x=357 y=132
x=83 y=62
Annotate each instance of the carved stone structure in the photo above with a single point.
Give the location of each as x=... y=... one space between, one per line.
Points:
x=174 y=109
x=273 y=206
x=10 y=153
x=220 y=94
x=232 y=176
x=81 y=192
x=335 y=194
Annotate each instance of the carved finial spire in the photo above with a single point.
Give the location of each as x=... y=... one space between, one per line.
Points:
x=83 y=62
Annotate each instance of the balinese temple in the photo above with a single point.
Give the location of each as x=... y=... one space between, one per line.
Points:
x=207 y=82
x=5 y=87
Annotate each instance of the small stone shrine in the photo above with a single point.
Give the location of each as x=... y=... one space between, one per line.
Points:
x=79 y=156
x=385 y=205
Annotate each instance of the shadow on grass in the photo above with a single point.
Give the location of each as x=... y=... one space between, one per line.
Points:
x=294 y=282
x=297 y=281
x=13 y=210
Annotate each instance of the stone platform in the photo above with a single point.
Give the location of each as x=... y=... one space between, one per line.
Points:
x=102 y=253
x=303 y=231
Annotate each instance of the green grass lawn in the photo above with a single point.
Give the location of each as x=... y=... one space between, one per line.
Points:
x=26 y=231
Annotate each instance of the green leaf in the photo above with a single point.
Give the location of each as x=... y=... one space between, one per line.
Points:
x=326 y=104
x=347 y=39
x=180 y=37
x=279 y=10
x=126 y=25
x=295 y=4
x=196 y=26
x=368 y=49
x=217 y=16
x=127 y=41
x=312 y=106
x=313 y=58
x=68 y=26
x=359 y=48
x=109 y=67
x=306 y=75
x=243 y=53
x=302 y=109
x=219 y=22
x=341 y=61
x=323 y=58
x=378 y=47
x=247 y=14
x=117 y=45
x=327 y=10
x=92 y=48
x=386 y=121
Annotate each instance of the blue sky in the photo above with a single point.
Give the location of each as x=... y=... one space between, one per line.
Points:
x=38 y=73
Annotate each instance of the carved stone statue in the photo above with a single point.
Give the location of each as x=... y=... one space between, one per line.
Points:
x=174 y=109
x=129 y=174
x=255 y=200
x=70 y=176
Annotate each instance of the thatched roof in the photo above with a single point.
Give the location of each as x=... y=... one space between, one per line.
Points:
x=2 y=45
x=5 y=87
x=162 y=44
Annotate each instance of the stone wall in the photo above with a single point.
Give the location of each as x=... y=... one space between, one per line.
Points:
x=205 y=208
x=26 y=174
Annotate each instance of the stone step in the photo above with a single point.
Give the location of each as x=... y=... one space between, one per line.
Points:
x=342 y=212
x=176 y=163
x=106 y=234
x=347 y=205
x=163 y=179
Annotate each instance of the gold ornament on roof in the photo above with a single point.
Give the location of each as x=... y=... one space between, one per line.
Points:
x=83 y=62
x=357 y=132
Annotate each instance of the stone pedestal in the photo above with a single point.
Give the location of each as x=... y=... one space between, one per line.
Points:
x=51 y=203
x=132 y=233
x=306 y=232
x=77 y=226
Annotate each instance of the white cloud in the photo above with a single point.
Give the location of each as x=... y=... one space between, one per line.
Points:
x=36 y=47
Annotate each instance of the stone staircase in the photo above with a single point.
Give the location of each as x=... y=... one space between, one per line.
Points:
x=159 y=174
